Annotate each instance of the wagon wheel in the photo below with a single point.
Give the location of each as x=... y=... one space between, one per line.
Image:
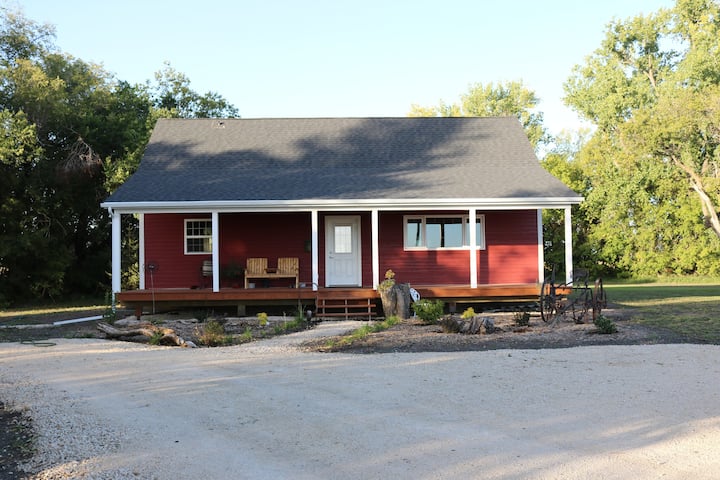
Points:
x=599 y=299
x=581 y=303
x=548 y=301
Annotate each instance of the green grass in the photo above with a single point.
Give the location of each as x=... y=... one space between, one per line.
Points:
x=49 y=312
x=689 y=309
x=362 y=332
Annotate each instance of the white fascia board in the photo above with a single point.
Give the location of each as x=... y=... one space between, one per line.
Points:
x=344 y=205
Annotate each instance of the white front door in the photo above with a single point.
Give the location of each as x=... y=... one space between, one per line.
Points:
x=342 y=251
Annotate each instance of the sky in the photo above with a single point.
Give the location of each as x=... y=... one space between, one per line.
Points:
x=337 y=58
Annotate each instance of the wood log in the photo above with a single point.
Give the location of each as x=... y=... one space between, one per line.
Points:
x=472 y=326
x=144 y=330
x=396 y=300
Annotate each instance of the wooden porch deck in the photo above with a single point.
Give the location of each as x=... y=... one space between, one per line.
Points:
x=171 y=298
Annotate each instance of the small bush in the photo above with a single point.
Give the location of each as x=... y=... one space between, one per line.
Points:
x=110 y=313
x=605 y=325
x=246 y=336
x=468 y=314
x=289 y=326
x=213 y=334
x=429 y=311
x=155 y=338
x=262 y=318
x=389 y=281
x=522 y=319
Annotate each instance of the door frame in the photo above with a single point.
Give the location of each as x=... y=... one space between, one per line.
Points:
x=332 y=220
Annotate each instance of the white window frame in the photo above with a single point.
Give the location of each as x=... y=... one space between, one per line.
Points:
x=206 y=236
x=480 y=220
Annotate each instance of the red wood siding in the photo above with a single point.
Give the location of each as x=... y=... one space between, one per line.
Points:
x=510 y=255
x=244 y=235
x=241 y=236
x=164 y=247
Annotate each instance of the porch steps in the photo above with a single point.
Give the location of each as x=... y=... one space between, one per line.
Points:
x=344 y=308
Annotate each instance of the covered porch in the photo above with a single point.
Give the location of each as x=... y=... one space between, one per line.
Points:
x=376 y=234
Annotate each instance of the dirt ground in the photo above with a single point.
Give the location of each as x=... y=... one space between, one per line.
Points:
x=408 y=336
x=413 y=336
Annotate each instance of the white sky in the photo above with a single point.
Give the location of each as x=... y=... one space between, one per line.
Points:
x=336 y=58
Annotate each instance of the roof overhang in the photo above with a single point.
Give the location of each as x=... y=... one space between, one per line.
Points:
x=343 y=205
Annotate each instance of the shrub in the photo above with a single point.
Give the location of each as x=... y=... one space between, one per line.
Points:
x=213 y=334
x=429 y=311
x=468 y=314
x=605 y=325
x=110 y=313
x=246 y=336
x=155 y=338
x=262 y=318
x=522 y=319
x=289 y=326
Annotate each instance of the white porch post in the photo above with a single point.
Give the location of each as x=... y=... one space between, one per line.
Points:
x=116 y=255
x=568 y=246
x=216 y=251
x=141 y=249
x=473 y=247
x=375 y=247
x=541 y=246
x=314 y=243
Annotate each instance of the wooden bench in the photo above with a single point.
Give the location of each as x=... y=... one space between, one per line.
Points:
x=287 y=267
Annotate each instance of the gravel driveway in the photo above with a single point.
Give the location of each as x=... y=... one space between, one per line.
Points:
x=266 y=410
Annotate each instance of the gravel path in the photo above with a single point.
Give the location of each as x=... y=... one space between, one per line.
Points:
x=107 y=410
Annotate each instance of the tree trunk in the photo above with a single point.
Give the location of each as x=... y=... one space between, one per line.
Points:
x=708 y=207
x=471 y=326
x=396 y=301
x=143 y=330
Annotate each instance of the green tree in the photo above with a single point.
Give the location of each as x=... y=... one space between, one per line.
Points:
x=651 y=89
x=561 y=162
x=71 y=133
x=174 y=98
x=492 y=100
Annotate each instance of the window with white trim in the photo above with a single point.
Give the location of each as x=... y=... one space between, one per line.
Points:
x=198 y=236
x=438 y=232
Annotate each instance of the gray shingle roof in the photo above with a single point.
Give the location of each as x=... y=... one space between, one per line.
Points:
x=338 y=159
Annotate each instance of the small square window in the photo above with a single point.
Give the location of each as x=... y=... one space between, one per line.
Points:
x=198 y=237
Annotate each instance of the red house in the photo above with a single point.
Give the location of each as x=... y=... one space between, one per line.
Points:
x=451 y=205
